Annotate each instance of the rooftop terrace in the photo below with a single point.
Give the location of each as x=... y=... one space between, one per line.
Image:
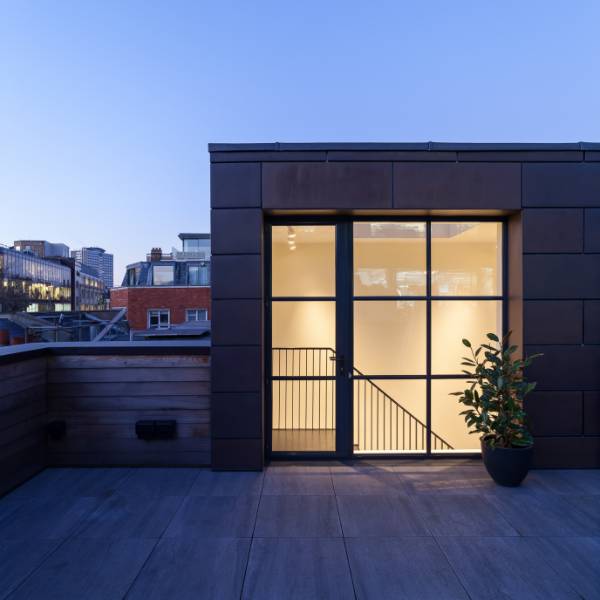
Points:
x=321 y=530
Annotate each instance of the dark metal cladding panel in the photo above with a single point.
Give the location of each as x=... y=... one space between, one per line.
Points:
x=236 y=415
x=236 y=230
x=592 y=230
x=565 y=368
x=459 y=186
x=553 y=230
x=561 y=276
x=301 y=186
x=237 y=454
x=553 y=321
x=555 y=413
x=565 y=185
x=235 y=185
x=236 y=276
x=236 y=369
x=236 y=322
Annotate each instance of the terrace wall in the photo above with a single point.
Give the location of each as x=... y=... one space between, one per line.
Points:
x=100 y=391
x=23 y=409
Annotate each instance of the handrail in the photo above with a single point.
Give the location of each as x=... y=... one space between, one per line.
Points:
x=309 y=415
x=394 y=401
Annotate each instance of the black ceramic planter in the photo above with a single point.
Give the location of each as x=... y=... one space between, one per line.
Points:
x=507 y=466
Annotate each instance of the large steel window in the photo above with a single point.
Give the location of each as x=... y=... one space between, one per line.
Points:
x=365 y=324
x=419 y=288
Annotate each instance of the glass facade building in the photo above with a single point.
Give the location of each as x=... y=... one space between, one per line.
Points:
x=46 y=283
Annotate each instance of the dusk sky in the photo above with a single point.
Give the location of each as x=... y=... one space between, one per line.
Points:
x=107 y=107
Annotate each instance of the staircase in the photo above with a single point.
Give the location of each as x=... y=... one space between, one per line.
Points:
x=304 y=399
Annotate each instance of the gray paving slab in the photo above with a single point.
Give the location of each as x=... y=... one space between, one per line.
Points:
x=589 y=505
x=158 y=482
x=19 y=558
x=445 y=481
x=92 y=569
x=461 y=514
x=193 y=568
x=299 y=483
x=297 y=569
x=212 y=483
x=576 y=560
x=62 y=520
x=215 y=517
x=130 y=517
x=379 y=516
x=544 y=514
x=46 y=518
x=55 y=482
x=411 y=568
x=503 y=567
x=374 y=482
x=298 y=516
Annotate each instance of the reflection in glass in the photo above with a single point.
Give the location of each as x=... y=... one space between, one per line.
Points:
x=303 y=260
x=453 y=320
x=466 y=259
x=389 y=259
x=389 y=337
x=390 y=415
x=446 y=421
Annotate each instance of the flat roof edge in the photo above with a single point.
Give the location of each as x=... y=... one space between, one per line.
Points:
x=405 y=146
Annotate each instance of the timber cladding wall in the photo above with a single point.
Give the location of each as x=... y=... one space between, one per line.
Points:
x=22 y=420
x=101 y=398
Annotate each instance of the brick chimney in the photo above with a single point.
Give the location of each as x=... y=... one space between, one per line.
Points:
x=155 y=254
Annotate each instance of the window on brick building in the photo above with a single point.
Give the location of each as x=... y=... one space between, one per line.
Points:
x=198 y=275
x=159 y=318
x=196 y=314
x=163 y=275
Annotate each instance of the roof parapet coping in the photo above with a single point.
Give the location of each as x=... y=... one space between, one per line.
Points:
x=404 y=146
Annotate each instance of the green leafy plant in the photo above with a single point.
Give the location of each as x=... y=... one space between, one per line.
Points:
x=497 y=389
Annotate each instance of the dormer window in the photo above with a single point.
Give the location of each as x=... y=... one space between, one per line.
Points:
x=163 y=275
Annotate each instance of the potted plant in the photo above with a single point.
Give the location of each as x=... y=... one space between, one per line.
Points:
x=494 y=407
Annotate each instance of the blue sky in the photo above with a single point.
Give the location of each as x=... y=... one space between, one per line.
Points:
x=106 y=107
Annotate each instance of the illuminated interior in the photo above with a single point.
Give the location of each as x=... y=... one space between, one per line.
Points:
x=401 y=311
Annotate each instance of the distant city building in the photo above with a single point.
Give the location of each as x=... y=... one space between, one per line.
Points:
x=90 y=292
x=39 y=276
x=97 y=258
x=42 y=248
x=168 y=289
x=41 y=284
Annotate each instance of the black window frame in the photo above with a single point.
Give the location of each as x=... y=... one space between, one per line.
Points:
x=345 y=280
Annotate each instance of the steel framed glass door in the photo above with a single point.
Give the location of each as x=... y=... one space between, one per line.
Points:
x=365 y=321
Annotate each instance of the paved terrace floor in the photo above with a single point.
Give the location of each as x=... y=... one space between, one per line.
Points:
x=408 y=530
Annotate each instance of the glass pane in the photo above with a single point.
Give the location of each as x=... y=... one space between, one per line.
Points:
x=303 y=335
x=453 y=320
x=303 y=415
x=389 y=259
x=390 y=416
x=303 y=260
x=466 y=259
x=446 y=422
x=389 y=337
x=306 y=325
x=162 y=275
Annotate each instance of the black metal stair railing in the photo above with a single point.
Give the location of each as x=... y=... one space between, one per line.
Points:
x=304 y=399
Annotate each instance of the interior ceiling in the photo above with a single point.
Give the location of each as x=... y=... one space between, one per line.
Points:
x=380 y=231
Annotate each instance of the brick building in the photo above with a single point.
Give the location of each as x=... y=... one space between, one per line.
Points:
x=168 y=289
